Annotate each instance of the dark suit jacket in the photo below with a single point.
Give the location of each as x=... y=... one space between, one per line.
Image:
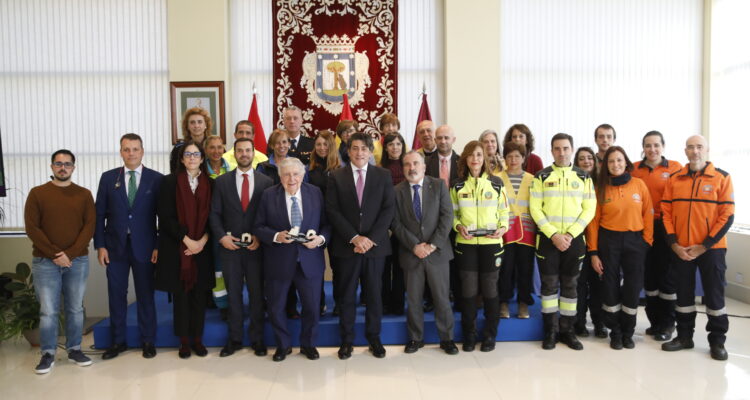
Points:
x=280 y=260
x=171 y=234
x=433 y=167
x=436 y=224
x=305 y=147
x=226 y=209
x=349 y=219
x=114 y=217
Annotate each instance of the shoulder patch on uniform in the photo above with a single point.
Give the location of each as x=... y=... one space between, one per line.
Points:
x=721 y=171
x=459 y=185
x=544 y=174
x=581 y=173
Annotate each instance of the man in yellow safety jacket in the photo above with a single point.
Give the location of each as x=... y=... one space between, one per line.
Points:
x=562 y=204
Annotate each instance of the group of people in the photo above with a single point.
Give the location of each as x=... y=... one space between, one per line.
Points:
x=414 y=230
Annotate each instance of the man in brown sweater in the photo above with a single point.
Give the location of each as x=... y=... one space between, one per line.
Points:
x=60 y=221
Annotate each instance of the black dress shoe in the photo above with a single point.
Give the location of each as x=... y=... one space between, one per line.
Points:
x=114 y=351
x=487 y=345
x=600 y=331
x=616 y=343
x=230 y=348
x=469 y=343
x=550 y=341
x=677 y=344
x=412 y=346
x=200 y=350
x=149 y=351
x=582 y=331
x=449 y=347
x=184 y=351
x=571 y=341
x=345 y=351
x=281 y=353
x=259 y=349
x=718 y=352
x=377 y=349
x=310 y=352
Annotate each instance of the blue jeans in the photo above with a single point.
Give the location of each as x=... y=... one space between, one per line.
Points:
x=51 y=280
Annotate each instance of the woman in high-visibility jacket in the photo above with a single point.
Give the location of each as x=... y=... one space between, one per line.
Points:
x=661 y=293
x=520 y=240
x=618 y=238
x=480 y=216
x=589 y=282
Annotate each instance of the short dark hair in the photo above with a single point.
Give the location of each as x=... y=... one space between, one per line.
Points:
x=363 y=137
x=244 y=122
x=240 y=140
x=385 y=161
x=131 y=136
x=561 y=136
x=65 y=152
x=510 y=147
x=606 y=126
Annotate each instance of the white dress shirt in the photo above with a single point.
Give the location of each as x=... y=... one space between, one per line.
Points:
x=250 y=179
x=356 y=174
x=411 y=191
x=126 y=178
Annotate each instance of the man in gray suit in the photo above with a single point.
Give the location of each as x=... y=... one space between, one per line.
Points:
x=235 y=202
x=424 y=216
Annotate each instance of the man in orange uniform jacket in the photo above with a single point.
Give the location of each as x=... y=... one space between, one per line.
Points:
x=698 y=209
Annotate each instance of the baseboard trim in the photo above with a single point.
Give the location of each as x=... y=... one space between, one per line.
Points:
x=738 y=292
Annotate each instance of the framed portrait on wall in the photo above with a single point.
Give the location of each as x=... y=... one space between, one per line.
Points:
x=208 y=95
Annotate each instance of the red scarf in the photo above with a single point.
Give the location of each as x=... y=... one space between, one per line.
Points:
x=192 y=212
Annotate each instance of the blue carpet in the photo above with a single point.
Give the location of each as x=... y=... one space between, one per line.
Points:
x=393 y=329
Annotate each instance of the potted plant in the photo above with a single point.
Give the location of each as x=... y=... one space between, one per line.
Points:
x=19 y=315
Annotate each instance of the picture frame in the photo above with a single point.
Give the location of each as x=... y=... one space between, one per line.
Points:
x=205 y=94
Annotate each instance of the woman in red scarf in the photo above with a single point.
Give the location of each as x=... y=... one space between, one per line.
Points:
x=185 y=264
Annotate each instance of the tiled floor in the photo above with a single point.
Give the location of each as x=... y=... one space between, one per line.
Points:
x=519 y=370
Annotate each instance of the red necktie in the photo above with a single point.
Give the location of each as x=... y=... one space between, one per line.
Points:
x=245 y=198
x=444 y=172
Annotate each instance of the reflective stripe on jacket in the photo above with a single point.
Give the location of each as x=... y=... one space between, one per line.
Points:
x=698 y=208
x=562 y=200
x=479 y=202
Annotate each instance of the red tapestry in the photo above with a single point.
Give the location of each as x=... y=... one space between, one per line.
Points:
x=326 y=48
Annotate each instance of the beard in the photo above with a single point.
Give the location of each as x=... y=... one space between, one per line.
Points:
x=62 y=178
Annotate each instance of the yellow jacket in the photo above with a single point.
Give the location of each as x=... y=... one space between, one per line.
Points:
x=479 y=202
x=257 y=159
x=562 y=200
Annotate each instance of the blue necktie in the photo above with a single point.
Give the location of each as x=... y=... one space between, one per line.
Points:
x=296 y=213
x=417 y=204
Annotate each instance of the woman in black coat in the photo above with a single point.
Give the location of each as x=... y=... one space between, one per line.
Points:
x=185 y=264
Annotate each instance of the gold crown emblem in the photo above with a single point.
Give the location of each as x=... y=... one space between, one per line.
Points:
x=335 y=44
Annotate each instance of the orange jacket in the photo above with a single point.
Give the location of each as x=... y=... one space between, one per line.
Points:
x=626 y=207
x=656 y=179
x=698 y=208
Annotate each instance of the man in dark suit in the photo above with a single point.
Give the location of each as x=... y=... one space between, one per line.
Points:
x=125 y=238
x=443 y=164
x=293 y=204
x=423 y=219
x=300 y=146
x=234 y=205
x=360 y=207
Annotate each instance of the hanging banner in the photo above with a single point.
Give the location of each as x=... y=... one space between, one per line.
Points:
x=327 y=48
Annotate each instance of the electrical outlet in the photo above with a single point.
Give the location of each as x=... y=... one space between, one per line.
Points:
x=739 y=278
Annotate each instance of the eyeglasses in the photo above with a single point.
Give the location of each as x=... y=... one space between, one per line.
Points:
x=188 y=154
x=66 y=164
